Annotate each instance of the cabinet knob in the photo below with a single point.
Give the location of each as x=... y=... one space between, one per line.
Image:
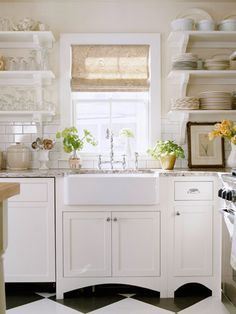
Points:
x=108 y=219
x=177 y=213
x=115 y=219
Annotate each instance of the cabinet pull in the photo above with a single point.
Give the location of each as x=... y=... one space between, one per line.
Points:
x=177 y=213
x=193 y=191
x=108 y=219
x=115 y=219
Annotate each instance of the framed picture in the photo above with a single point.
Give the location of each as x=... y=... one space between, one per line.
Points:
x=203 y=153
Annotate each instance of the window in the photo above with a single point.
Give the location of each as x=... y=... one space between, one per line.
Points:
x=102 y=110
x=112 y=81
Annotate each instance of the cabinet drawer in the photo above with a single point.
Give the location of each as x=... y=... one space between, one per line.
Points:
x=193 y=191
x=32 y=192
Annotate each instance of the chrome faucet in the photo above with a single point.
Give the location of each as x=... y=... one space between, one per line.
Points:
x=109 y=135
x=136 y=160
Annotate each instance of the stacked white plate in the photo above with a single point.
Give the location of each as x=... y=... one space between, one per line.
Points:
x=215 y=100
x=217 y=63
x=185 y=61
x=185 y=103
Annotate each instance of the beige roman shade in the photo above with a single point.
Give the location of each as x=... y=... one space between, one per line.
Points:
x=110 y=68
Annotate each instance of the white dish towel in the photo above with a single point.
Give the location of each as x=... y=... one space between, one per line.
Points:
x=233 y=249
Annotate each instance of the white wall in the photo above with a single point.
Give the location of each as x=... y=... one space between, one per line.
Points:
x=114 y=16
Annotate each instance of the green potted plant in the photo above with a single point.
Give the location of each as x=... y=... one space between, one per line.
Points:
x=167 y=152
x=73 y=143
x=127 y=133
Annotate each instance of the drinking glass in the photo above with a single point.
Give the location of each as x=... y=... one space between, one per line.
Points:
x=13 y=64
x=23 y=64
x=5 y=24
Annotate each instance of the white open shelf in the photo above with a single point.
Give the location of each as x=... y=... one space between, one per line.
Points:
x=28 y=39
x=209 y=112
x=26 y=77
x=220 y=74
x=201 y=39
x=201 y=77
x=22 y=116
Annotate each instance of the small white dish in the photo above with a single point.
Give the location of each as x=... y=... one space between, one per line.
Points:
x=227 y=25
x=183 y=24
x=205 y=25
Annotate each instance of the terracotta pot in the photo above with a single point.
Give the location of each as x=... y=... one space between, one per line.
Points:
x=168 y=162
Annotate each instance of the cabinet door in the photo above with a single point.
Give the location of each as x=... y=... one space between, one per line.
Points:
x=136 y=243
x=30 y=255
x=193 y=240
x=87 y=244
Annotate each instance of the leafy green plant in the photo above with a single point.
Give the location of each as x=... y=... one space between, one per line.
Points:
x=165 y=148
x=126 y=132
x=72 y=141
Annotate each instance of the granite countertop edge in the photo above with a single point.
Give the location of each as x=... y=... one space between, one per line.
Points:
x=54 y=173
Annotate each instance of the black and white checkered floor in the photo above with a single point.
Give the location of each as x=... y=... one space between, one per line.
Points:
x=109 y=301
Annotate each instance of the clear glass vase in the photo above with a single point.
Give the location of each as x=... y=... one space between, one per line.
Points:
x=74 y=160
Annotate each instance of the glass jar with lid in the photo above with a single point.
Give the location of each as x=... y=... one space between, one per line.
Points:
x=18 y=157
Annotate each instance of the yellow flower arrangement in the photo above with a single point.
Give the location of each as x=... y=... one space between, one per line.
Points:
x=225 y=129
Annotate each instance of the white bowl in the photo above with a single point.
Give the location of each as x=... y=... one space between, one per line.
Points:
x=227 y=25
x=184 y=24
x=205 y=25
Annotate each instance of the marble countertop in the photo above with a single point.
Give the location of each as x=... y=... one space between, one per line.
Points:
x=32 y=173
x=53 y=173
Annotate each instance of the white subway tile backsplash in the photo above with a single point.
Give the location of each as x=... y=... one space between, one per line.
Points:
x=29 y=129
x=184 y=163
x=171 y=128
x=2 y=147
x=153 y=164
x=53 y=164
x=13 y=129
x=23 y=138
x=63 y=164
x=51 y=129
x=6 y=138
x=26 y=132
x=54 y=155
x=89 y=164
x=2 y=129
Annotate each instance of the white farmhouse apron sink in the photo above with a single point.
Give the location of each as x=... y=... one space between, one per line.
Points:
x=138 y=188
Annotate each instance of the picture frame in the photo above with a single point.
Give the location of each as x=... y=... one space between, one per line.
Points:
x=203 y=153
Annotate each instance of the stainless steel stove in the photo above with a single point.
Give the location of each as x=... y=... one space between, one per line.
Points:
x=228 y=209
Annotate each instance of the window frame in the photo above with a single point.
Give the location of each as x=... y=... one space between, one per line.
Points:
x=151 y=39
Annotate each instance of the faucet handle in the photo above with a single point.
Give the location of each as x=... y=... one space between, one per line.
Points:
x=99 y=161
x=124 y=161
x=107 y=133
x=136 y=160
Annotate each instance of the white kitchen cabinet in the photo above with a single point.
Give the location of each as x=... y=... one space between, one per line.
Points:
x=136 y=244
x=87 y=244
x=193 y=232
x=108 y=244
x=100 y=244
x=193 y=240
x=30 y=256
